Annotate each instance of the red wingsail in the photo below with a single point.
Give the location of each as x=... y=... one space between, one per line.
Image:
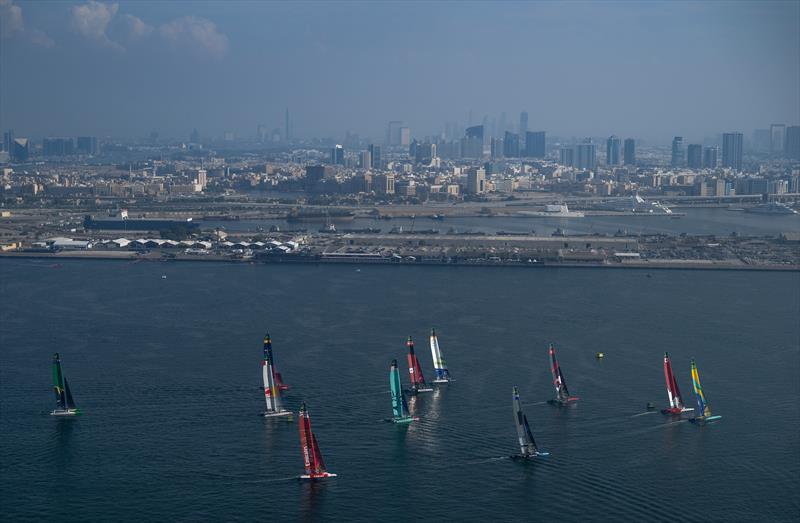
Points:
x=312 y=457
x=414 y=369
x=673 y=392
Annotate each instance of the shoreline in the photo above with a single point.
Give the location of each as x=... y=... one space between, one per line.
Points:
x=132 y=257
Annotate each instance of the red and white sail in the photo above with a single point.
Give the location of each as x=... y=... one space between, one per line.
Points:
x=312 y=457
x=676 y=404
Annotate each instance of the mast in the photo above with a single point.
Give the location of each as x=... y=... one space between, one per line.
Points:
x=562 y=394
x=58 y=383
x=438 y=362
x=527 y=445
x=674 y=394
x=271 y=391
x=399 y=408
x=414 y=368
x=702 y=405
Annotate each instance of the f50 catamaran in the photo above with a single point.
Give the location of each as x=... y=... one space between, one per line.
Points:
x=399 y=406
x=562 y=393
x=527 y=445
x=65 y=405
x=442 y=374
x=702 y=404
x=312 y=457
x=272 y=393
x=415 y=371
x=676 y=405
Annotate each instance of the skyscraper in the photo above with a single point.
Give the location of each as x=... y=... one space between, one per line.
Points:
x=732 y=151
x=375 y=156
x=511 y=145
x=677 y=152
x=87 y=145
x=8 y=140
x=629 y=152
x=534 y=144
x=586 y=155
x=20 y=150
x=710 y=158
x=337 y=155
x=365 y=160
x=567 y=156
x=694 y=156
x=405 y=136
x=777 y=133
x=57 y=146
x=792 y=142
x=523 y=125
x=476 y=181
x=393 y=132
x=472 y=143
x=612 y=150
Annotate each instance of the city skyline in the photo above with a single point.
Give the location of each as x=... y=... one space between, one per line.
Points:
x=172 y=68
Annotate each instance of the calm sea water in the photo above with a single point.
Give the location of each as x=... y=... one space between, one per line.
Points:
x=704 y=221
x=167 y=372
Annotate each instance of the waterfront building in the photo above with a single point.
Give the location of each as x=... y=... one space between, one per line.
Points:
x=710 y=158
x=567 y=156
x=472 y=143
x=383 y=183
x=87 y=145
x=612 y=150
x=365 y=160
x=476 y=181
x=586 y=155
x=677 y=152
x=694 y=156
x=732 y=151
x=777 y=133
x=511 y=145
x=314 y=174
x=792 y=145
x=337 y=155
x=534 y=144
x=629 y=151
x=375 y=156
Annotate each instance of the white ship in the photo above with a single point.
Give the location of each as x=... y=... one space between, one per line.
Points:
x=771 y=208
x=637 y=205
x=558 y=210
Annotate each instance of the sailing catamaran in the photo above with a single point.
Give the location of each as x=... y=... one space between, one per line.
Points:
x=562 y=393
x=415 y=371
x=312 y=457
x=702 y=405
x=676 y=405
x=65 y=405
x=527 y=445
x=272 y=393
x=442 y=374
x=399 y=406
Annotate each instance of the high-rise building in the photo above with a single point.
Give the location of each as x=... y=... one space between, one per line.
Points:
x=365 y=160
x=375 y=156
x=202 y=178
x=677 y=152
x=586 y=155
x=792 y=142
x=523 y=124
x=511 y=145
x=57 y=146
x=732 y=151
x=612 y=150
x=476 y=181
x=496 y=148
x=694 y=156
x=405 y=136
x=534 y=144
x=777 y=133
x=87 y=145
x=393 y=133
x=314 y=174
x=710 y=158
x=629 y=151
x=472 y=143
x=337 y=155
x=425 y=152
x=20 y=150
x=8 y=140
x=383 y=183
x=567 y=156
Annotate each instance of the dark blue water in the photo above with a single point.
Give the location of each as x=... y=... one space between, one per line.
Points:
x=167 y=372
x=702 y=221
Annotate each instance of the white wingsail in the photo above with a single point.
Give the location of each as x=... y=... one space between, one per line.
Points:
x=272 y=393
x=442 y=373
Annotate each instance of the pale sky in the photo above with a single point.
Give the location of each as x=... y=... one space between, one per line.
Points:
x=640 y=69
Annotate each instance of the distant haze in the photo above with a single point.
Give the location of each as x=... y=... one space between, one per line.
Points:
x=642 y=69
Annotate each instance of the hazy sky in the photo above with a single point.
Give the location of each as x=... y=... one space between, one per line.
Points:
x=646 y=69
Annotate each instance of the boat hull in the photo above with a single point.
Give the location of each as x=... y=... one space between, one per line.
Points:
x=403 y=421
x=442 y=380
x=280 y=413
x=418 y=391
x=66 y=412
x=316 y=477
x=528 y=457
x=563 y=403
x=675 y=412
x=702 y=421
